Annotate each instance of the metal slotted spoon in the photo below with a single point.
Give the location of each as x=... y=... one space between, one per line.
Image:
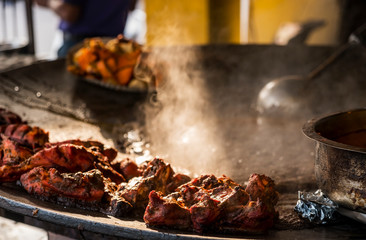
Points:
x=288 y=94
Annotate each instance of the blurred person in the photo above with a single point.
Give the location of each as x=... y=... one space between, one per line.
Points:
x=82 y=19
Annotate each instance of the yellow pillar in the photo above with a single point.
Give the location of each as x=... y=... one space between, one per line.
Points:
x=182 y=22
x=176 y=22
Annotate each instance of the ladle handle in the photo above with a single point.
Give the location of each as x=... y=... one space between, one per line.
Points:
x=329 y=60
x=357 y=37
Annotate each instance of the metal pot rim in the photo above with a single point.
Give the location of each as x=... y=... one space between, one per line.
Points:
x=309 y=129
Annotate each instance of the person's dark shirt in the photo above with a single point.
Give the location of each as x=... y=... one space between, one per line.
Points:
x=98 y=18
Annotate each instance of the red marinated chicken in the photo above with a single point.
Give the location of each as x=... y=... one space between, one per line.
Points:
x=102 y=162
x=66 y=158
x=12 y=156
x=167 y=212
x=259 y=214
x=127 y=167
x=110 y=153
x=114 y=204
x=12 y=153
x=26 y=135
x=8 y=117
x=103 y=165
x=262 y=187
x=155 y=177
x=216 y=204
x=86 y=186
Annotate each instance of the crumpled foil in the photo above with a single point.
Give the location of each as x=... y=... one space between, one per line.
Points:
x=316 y=207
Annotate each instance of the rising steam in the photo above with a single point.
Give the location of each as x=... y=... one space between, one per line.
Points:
x=184 y=130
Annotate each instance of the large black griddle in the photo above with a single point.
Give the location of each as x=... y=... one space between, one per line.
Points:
x=47 y=96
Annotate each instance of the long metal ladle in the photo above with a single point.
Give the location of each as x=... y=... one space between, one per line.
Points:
x=287 y=94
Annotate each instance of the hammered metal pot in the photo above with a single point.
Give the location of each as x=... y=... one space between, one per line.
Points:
x=340 y=156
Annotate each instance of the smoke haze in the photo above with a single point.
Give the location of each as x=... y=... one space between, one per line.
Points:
x=183 y=130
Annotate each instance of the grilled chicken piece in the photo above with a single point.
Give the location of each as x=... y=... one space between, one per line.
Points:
x=136 y=191
x=219 y=188
x=105 y=156
x=160 y=172
x=208 y=197
x=259 y=214
x=217 y=204
x=166 y=212
x=12 y=153
x=177 y=180
x=8 y=117
x=110 y=153
x=105 y=167
x=66 y=158
x=127 y=167
x=254 y=217
x=48 y=183
x=26 y=135
x=115 y=205
x=204 y=213
x=262 y=187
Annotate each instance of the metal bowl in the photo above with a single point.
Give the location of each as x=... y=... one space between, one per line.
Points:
x=340 y=156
